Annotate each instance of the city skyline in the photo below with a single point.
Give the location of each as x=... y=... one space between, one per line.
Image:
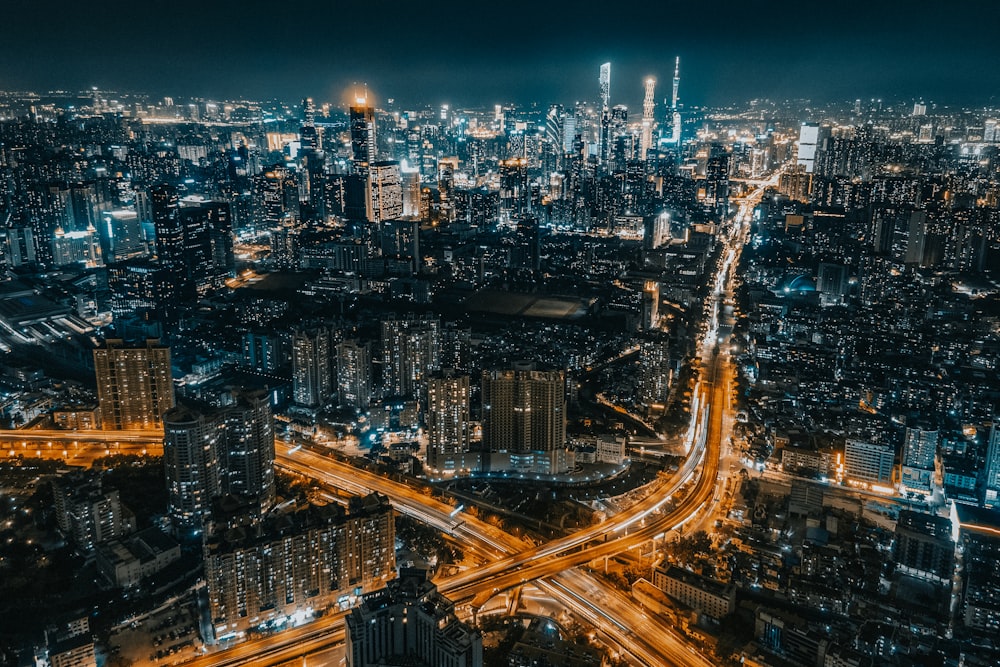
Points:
x=438 y=54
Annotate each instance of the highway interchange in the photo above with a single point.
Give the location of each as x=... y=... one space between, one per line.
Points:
x=509 y=561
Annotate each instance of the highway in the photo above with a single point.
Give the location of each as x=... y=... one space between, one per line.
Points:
x=670 y=505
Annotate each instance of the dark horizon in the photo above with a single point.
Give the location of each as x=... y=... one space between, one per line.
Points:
x=527 y=53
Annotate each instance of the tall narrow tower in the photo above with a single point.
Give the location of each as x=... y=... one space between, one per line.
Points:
x=603 y=138
x=605 y=86
x=648 y=106
x=675 y=137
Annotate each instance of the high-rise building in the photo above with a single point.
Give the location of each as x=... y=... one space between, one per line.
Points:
x=363 y=146
x=193 y=440
x=247 y=457
x=919 y=452
x=297 y=560
x=655 y=374
x=384 y=199
x=648 y=110
x=605 y=82
x=134 y=384
x=808 y=139
x=87 y=513
x=991 y=470
x=524 y=410
x=409 y=622
x=448 y=420
x=868 y=462
x=515 y=196
x=208 y=246
x=169 y=232
x=312 y=367
x=354 y=374
x=275 y=197
x=411 y=350
x=650 y=305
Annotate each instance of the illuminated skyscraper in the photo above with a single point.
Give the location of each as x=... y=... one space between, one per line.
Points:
x=448 y=435
x=363 y=146
x=605 y=81
x=515 y=197
x=919 y=451
x=134 y=384
x=648 y=109
x=384 y=200
x=675 y=137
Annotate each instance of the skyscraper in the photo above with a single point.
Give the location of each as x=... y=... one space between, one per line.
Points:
x=208 y=246
x=363 y=146
x=675 y=137
x=312 y=367
x=447 y=416
x=411 y=349
x=354 y=374
x=524 y=410
x=248 y=454
x=192 y=441
x=134 y=384
x=409 y=622
x=384 y=200
x=648 y=110
x=169 y=232
x=605 y=82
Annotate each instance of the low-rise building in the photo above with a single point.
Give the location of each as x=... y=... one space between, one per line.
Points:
x=706 y=596
x=125 y=563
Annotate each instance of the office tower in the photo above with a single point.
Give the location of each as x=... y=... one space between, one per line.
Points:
x=648 y=109
x=409 y=622
x=524 y=410
x=868 y=462
x=399 y=241
x=275 y=197
x=208 y=246
x=384 y=200
x=168 y=228
x=354 y=374
x=134 y=384
x=363 y=146
x=717 y=180
x=919 y=452
x=312 y=367
x=20 y=247
x=991 y=469
x=87 y=513
x=121 y=231
x=447 y=418
x=411 y=350
x=675 y=132
x=248 y=453
x=193 y=439
x=297 y=560
x=308 y=135
x=604 y=138
x=515 y=196
x=135 y=286
x=808 y=139
x=554 y=139
x=605 y=82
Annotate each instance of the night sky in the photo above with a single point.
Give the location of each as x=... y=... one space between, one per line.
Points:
x=474 y=53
